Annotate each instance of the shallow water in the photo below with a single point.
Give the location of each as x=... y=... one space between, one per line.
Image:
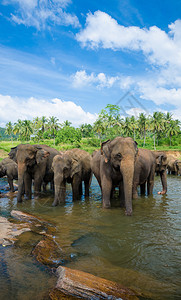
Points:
x=142 y=252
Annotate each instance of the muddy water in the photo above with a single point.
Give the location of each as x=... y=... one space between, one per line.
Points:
x=142 y=252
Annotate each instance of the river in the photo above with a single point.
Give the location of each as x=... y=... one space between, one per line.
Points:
x=142 y=252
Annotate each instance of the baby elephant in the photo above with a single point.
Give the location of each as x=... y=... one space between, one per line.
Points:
x=10 y=169
x=73 y=166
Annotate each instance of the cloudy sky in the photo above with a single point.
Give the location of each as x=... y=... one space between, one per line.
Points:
x=69 y=59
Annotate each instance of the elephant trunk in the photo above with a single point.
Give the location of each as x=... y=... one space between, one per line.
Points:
x=21 y=173
x=163 y=176
x=127 y=170
x=60 y=189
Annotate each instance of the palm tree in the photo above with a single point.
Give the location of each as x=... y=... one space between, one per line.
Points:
x=127 y=130
x=173 y=129
x=43 y=122
x=99 y=128
x=134 y=126
x=157 y=125
x=17 y=129
x=143 y=125
x=66 y=123
x=53 y=126
x=9 y=129
x=27 y=129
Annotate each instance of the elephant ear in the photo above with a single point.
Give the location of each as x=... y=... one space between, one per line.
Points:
x=164 y=159
x=105 y=150
x=75 y=167
x=12 y=153
x=136 y=148
x=41 y=154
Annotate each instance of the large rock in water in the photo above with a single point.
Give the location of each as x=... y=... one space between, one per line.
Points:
x=10 y=231
x=78 y=284
x=48 y=252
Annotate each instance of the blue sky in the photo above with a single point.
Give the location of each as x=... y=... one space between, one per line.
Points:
x=70 y=59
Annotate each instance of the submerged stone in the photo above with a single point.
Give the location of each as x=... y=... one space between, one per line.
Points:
x=48 y=252
x=79 y=284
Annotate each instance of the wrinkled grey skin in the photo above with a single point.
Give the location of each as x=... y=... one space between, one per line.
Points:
x=73 y=166
x=34 y=163
x=114 y=166
x=174 y=166
x=9 y=168
x=147 y=163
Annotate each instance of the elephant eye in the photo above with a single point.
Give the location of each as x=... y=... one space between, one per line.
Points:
x=119 y=156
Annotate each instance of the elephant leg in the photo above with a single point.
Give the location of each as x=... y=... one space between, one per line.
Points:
x=80 y=189
x=121 y=194
x=135 y=192
x=37 y=188
x=150 y=184
x=27 y=185
x=87 y=186
x=143 y=188
x=10 y=181
x=76 y=181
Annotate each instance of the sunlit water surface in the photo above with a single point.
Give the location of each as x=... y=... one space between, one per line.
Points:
x=142 y=252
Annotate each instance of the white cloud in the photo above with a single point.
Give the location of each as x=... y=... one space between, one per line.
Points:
x=81 y=78
x=101 y=80
x=12 y=109
x=42 y=14
x=101 y=30
x=162 y=50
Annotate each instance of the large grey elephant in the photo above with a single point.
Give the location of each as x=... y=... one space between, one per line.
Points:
x=147 y=163
x=34 y=162
x=174 y=166
x=114 y=166
x=73 y=166
x=9 y=168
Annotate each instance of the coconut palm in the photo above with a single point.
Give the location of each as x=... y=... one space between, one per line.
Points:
x=173 y=129
x=143 y=123
x=53 y=126
x=27 y=129
x=9 y=129
x=157 y=125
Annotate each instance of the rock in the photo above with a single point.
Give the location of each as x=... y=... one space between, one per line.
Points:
x=48 y=252
x=22 y=216
x=37 y=224
x=10 y=231
x=79 y=284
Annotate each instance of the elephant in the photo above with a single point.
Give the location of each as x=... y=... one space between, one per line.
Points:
x=174 y=167
x=34 y=163
x=72 y=166
x=9 y=168
x=148 y=162
x=114 y=166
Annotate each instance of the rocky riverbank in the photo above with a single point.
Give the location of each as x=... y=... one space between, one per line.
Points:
x=71 y=284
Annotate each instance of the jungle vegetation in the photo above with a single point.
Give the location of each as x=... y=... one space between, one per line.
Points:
x=156 y=131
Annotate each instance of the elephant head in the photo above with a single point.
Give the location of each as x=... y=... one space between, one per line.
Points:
x=2 y=170
x=26 y=156
x=120 y=155
x=177 y=166
x=64 y=167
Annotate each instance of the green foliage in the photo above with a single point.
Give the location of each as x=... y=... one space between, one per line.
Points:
x=68 y=134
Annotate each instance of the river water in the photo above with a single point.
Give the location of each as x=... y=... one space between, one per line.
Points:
x=142 y=252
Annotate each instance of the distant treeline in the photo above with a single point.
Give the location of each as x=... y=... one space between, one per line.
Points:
x=156 y=129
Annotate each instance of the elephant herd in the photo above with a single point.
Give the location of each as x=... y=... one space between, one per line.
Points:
x=118 y=164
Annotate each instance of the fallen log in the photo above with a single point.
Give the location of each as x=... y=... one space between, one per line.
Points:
x=83 y=285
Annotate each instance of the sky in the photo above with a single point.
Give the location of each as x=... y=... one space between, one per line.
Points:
x=69 y=59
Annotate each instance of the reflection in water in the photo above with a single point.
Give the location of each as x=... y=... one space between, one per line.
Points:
x=141 y=252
